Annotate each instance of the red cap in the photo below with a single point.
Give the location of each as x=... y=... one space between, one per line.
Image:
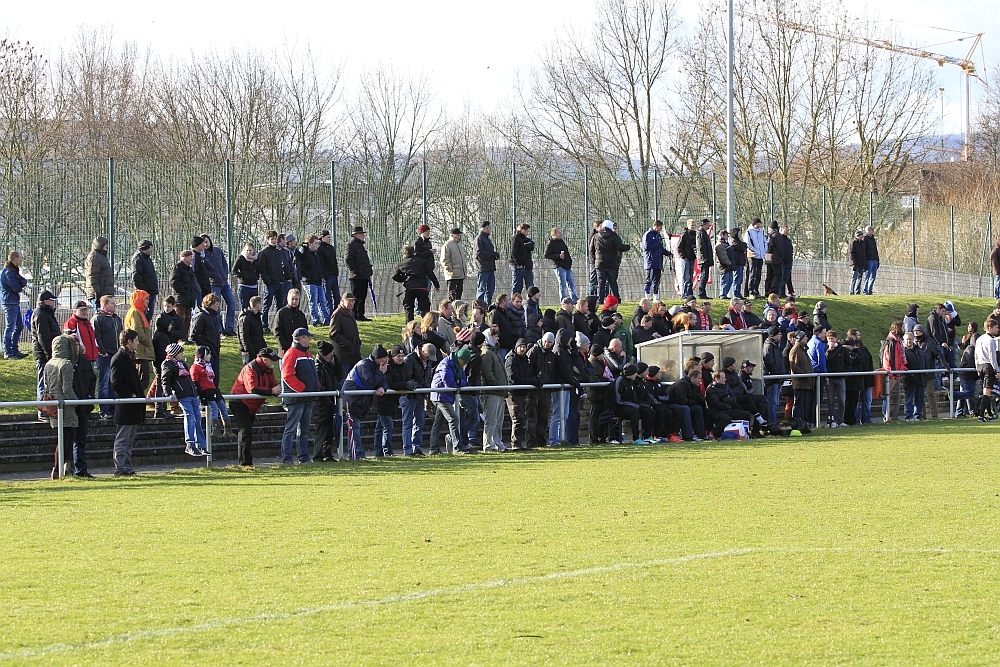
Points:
x=610 y=301
x=423 y=228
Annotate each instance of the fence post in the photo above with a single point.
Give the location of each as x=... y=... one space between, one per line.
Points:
x=562 y=414
x=586 y=217
x=61 y=440
x=513 y=197
x=913 y=239
x=871 y=209
x=656 y=195
x=208 y=435
x=340 y=432
x=713 y=198
x=229 y=210
x=770 y=198
x=951 y=393
x=819 y=403
x=824 y=234
x=333 y=204
x=423 y=188
x=952 y=249
x=111 y=213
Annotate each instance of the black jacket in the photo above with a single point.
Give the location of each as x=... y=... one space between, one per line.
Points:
x=246 y=272
x=684 y=392
x=521 y=248
x=738 y=250
x=543 y=363
x=310 y=266
x=144 y=274
x=564 y=320
x=720 y=398
x=202 y=274
x=184 y=285
x=609 y=250
x=519 y=371
x=838 y=360
x=328 y=260
x=552 y=250
x=397 y=377
x=412 y=272
x=505 y=337
x=289 y=319
x=705 y=251
x=250 y=332
x=106 y=331
x=781 y=247
x=172 y=382
x=125 y=382
x=625 y=392
x=858 y=254
x=688 y=245
x=271 y=265
x=774 y=362
x=359 y=264
x=565 y=350
x=871 y=248
x=205 y=331
x=168 y=329
x=485 y=255
x=44 y=328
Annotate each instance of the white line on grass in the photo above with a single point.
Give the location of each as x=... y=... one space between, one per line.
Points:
x=140 y=635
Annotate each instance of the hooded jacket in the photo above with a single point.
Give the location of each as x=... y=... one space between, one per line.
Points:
x=83 y=330
x=144 y=273
x=184 y=285
x=58 y=375
x=44 y=328
x=100 y=279
x=542 y=362
x=565 y=349
x=449 y=373
x=800 y=364
x=609 y=250
x=135 y=319
x=167 y=330
x=521 y=247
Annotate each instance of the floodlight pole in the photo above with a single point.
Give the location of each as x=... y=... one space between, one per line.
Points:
x=730 y=171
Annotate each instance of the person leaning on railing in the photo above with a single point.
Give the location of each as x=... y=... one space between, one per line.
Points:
x=257 y=377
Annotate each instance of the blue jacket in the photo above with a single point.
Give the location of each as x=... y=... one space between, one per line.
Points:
x=11 y=284
x=817 y=354
x=653 y=250
x=218 y=267
x=447 y=374
x=364 y=375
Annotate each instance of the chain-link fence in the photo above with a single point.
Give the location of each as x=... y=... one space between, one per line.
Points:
x=51 y=211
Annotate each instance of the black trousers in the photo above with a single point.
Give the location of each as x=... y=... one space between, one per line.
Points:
x=772 y=276
x=323 y=443
x=703 y=269
x=538 y=412
x=850 y=406
x=455 y=288
x=661 y=424
x=421 y=296
x=244 y=434
x=80 y=438
x=627 y=412
x=359 y=287
x=596 y=429
x=517 y=407
x=753 y=277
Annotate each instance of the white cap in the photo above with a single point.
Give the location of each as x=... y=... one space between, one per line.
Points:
x=608 y=224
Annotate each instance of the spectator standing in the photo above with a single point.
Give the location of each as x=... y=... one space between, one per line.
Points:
x=84 y=383
x=412 y=273
x=654 y=250
x=59 y=384
x=774 y=364
x=310 y=265
x=203 y=377
x=185 y=287
x=144 y=275
x=293 y=280
x=838 y=360
x=724 y=260
x=298 y=375
x=107 y=330
x=256 y=377
x=450 y=373
x=859 y=262
x=787 y=255
x=800 y=364
x=738 y=249
x=893 y=359
x=419 y=366
x=386 y=405
x=564 y=373
x=492 y=374
x=987 y=366
x=453 y=262
x=773 y=261
x=167 y=330
x=863 y=363
x=756 y=250
x=289 y=320
x=12 y=283
x=135 y=319
x=557 y=252
x=817 y=357
x=592 y=237
x=218 y=274
x=522 y=265
x=519 y=372
x=820 y=320
x=687 y=248
x=871 y=259
x=176 y=380
x=330 y=269
x=706 y=257
x=330 y=373
x=913 y=385
x=499 y=318
x=609 y=259
x=205 y=328
x=247 y=275
x=937 y=327
x=44 y=328
x=250 y=330
x=542 y=358
x=100 y=278
x=272 y=269
x=359 y=271
x=344 y=333
x=199 y=244
x=485 y=259
x=931 y=356
x=128 y=416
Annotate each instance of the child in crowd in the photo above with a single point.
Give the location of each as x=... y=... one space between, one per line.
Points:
x=203 y=376
x=176 y=380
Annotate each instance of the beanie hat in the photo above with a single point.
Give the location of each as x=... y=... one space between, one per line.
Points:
x=641 y=367
x=727 y=362
x=653 y=371
x=423 y=228
x=610 y=301
x=325 y=348
x=397 y=349
x=478 y=338
x=629 y=369
x=581 y=339
x=607 y=321
x=174 y=349
x=464 y=354
x=706 y=357
x=533 y=290
x=378 y=352
x=549 y=337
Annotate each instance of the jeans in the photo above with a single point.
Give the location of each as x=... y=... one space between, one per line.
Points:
x=738 y=281
x=445 y=415
x=996 y=287
x=383 y=435
x=687 y=276
x=272 y=294
x=682 y=416
x=332 y=288
x=863 y=414
x=225 y=293
x=355 y=448
x=607 y=283
x=12 y=330
x=317 y=305
x=802 y=410
x=469 y=405
x=857 y=281
x=245 y=293
x=560 y=413
x=653 y=281
x=572 y=430
x=913 y=403
x=870 y=271
x=194 y=430
x=486 y=285
x=726 y=284
x=104 y=390
x=567 y=288
x=413 y=422
x=521 y=279
x=218 y=408
x=836 y=398
x=772 y=394
x=297 y=431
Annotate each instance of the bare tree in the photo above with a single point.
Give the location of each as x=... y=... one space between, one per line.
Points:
x=30 y=107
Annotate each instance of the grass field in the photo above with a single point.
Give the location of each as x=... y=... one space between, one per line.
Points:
x=874 y=545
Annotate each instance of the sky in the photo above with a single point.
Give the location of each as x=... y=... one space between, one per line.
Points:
x=473 y=52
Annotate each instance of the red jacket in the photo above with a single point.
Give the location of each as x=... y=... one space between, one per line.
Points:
x=202 y=375
x=736 y=319
x=84 y=332
x=254 y=378
x=893 y=358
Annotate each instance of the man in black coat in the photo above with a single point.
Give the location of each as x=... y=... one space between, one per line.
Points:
x=557 y=252
x=328 y=422
x=687 y=248
x=592 y=257
x=272 y=268
x=858 y=262
x=185 y=287
x=522 y=275
x=144 y=275
x=289 y=319
x=250 y=330
x=871 y=260
x=44 y=329
x=609 y=259
x=128 y=416
x=331 y=269
x=723 y=407
x=359 y=271
x=202 y=272
x=412 y=273
x=206 y=330
x=485 y=259
x=706 y=257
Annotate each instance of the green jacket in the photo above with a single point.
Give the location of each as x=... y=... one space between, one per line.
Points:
x=492 y=370
x=623 y=334
x=58 y=376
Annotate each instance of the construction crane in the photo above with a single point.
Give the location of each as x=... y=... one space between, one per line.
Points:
x=966 y=63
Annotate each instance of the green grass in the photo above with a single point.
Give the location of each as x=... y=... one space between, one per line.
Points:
x=873 y=545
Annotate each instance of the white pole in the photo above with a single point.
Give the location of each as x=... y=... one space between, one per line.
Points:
x=208 y=435
x=60 y=443
x=730 y=170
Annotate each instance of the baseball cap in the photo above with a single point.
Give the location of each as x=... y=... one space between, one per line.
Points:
x=301 y=331
x=748 y=364
x=268 y=353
